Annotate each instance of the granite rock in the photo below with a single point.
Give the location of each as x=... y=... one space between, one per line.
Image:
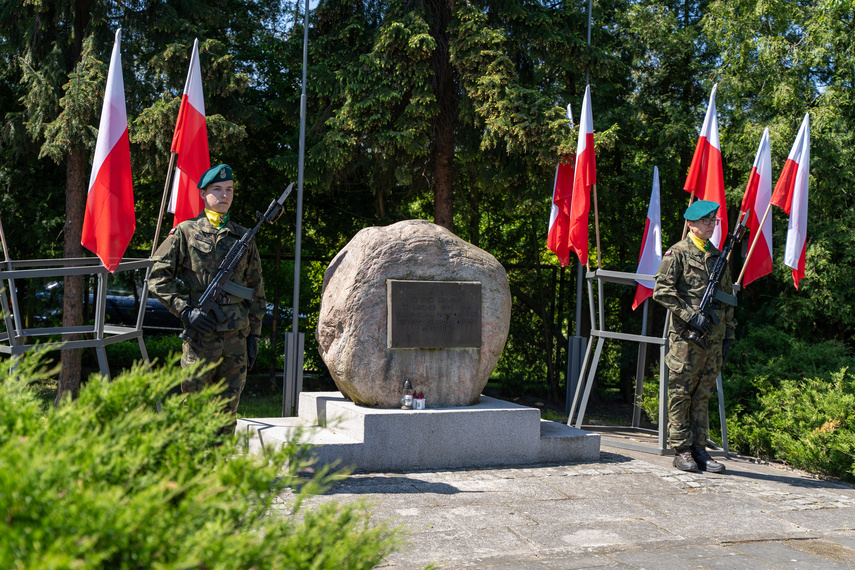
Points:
x=352 y=326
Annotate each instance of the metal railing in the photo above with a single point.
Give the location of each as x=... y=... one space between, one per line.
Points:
x=19 y=339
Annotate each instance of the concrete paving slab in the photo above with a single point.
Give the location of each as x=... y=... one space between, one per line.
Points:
x=584 y=511
x=780 y=554
x=722 y=505
x=699 y=553
x=621 y=511
x=580 y=561
x=597 y=536
x=618 y=485
x=827 y=550
x=654 y=559
x=455 y=546
x=739 y=562
x=822 y=519
x=746 y=526
x=846 y=540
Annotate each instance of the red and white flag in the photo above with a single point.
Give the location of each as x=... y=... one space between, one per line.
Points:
x=585 y=176
x=791 y=195
x=558 y=238
x=651 y=245
x=190 y=144
x=110 y=221
x=706 y=178
x=758 y=192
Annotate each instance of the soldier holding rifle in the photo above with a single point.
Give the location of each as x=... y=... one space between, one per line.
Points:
x=191 y=256
x=698 y=340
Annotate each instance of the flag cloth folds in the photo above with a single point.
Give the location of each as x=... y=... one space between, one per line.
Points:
x=585 y=176
x=650 y=255
x=791 y=195
x=558 y=237
x=110 y=221
x=758 y=192
x=706 y=178
x=190 y=145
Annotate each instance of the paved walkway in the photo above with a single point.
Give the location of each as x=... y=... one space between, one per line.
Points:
x=628 y=510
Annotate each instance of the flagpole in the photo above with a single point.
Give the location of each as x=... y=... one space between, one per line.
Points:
x=295 y=359
x=169 y=173
x=686 y=222
x=753 y=245
x=597 y=227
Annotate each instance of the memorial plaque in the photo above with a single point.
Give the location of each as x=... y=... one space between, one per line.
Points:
x=433 y=314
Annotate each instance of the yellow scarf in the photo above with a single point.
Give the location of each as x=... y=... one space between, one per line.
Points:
x=703 y=244
x=217 y=219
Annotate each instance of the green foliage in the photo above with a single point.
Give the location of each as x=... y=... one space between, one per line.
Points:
x=807 y=423
x=108 y=482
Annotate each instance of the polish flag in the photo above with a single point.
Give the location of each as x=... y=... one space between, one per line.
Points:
x=585 y=176
x=190 y=144
x=110 y=221
x=706 y=178
x=558 y=238
x=758 y=192
x=791 y=195
x=651 y=245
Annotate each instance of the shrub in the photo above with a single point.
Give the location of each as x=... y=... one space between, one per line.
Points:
x=807 y=423
x=108 y=482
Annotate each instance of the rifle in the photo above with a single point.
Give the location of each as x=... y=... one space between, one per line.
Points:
x=713 y=298
x=220 y=289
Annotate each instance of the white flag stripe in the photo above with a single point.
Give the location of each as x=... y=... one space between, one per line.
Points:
x=651 y=255
x=710 y=127
x=114 y=117
x=193 y=85
x=797 y=227
x=763 y=164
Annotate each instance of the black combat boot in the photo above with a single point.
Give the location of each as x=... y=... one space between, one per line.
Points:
x=705 y=461
x=683 y=460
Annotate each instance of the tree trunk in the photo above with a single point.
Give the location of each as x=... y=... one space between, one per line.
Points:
x=446 y=97
x=72 y=298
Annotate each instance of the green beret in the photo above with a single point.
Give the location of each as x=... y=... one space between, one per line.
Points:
x=219 y=173
x=700 y=209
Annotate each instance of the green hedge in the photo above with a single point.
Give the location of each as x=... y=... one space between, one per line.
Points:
x=108 y=482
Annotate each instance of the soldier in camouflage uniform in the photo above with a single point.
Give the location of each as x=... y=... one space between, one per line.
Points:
x=183 y=267
x=680 y=284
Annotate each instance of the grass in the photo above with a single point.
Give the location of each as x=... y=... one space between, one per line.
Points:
x=263 y=405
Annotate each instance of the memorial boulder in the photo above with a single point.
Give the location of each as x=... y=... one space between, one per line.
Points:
x=412 y=301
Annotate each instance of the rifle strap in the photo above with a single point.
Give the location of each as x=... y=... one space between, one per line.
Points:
x=233 y=288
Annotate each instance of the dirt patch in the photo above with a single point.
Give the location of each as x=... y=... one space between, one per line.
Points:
x=824 y=549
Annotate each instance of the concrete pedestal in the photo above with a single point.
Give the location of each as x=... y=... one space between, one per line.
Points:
x=490 y=433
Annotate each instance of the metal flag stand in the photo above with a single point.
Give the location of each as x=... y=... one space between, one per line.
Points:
x=592 y=359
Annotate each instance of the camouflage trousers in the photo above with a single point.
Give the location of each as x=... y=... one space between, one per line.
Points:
x=691 y=379
x=227 y=347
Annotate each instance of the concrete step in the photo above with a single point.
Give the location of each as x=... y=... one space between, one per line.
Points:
x=491 y=433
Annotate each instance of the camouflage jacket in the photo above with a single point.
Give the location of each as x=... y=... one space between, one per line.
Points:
x=188 y=259
x=681 y=281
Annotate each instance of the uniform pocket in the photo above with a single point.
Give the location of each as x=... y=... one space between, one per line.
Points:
x=675 y=364
x=202 y=243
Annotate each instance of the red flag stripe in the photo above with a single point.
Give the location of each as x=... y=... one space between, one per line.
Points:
x=706 y=176
x=791 y=194
x=558 y=238
x=585 y=175
x=190 y=143
x=109 y=221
